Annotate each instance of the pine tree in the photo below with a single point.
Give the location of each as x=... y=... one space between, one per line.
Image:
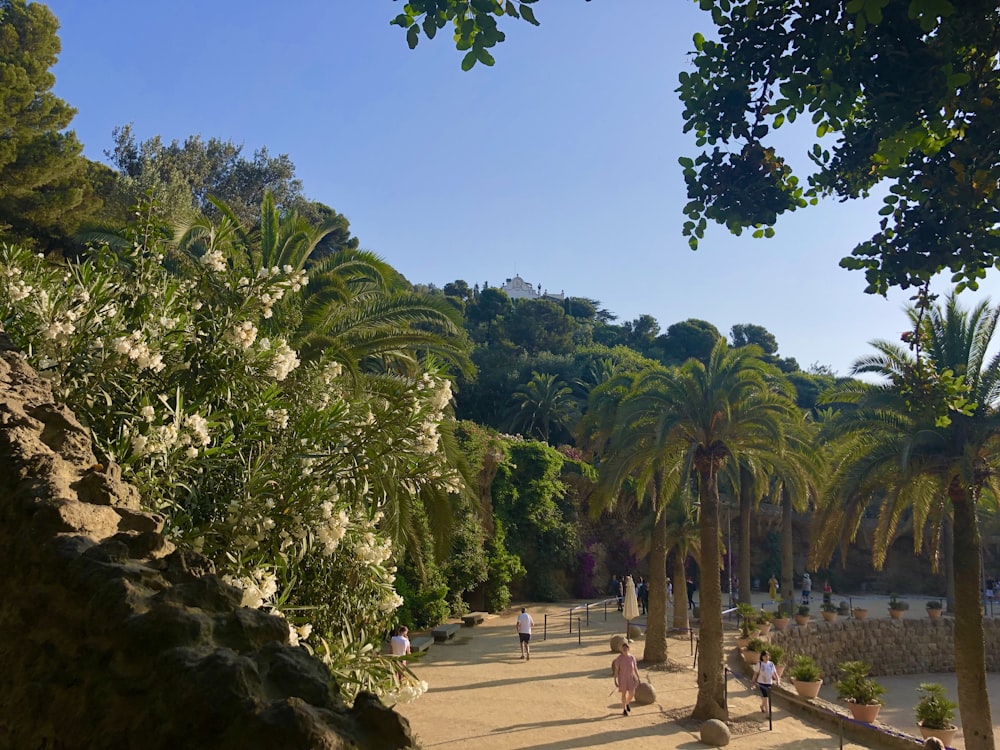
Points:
x=43 y=191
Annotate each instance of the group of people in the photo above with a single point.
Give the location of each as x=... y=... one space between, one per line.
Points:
x=773 y=587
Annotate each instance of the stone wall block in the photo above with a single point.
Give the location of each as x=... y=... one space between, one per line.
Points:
x=246 y=630
x=166 y=626
x=291 y=671
x=208 y=593
x=103 y=485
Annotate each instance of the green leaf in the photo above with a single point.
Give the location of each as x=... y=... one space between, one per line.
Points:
x=483 y=55
x=413 y=36
x=699 y=41
x=430 y=28
x=686 y=162
x=528 y=15
x=469 y=60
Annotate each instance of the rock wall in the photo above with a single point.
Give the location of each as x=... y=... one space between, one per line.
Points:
x=907 y=646
x=110 y=637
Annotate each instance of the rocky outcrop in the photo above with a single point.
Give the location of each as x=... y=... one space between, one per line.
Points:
x=110 y=637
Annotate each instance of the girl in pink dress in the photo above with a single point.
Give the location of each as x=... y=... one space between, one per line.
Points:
x=626 y=677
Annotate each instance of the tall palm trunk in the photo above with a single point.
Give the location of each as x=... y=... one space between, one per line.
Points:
x=711 y=701
x=680 y=593
x=655 y=651
x=787 y=554
x=746 y=501
x=970 y=649
x=949 y=563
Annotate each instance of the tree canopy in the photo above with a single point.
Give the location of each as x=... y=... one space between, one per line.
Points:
x=907 y=87
x=43 y=185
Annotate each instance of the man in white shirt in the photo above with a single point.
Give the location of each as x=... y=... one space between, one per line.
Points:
x=524 y=623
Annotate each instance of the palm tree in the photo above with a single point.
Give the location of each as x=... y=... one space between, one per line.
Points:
x=542 y=406
x=697 y=418
x=619 y=422
x=925 y=443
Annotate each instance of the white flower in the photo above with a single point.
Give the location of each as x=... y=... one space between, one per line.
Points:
x=244 y=334
x=285 y=360
x=148 y=413
x=213 y=260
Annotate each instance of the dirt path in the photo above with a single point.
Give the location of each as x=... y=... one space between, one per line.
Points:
x=482 y=695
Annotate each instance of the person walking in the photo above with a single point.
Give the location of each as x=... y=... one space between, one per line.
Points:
x=807 y=585
x=765 y=676
x=772 y=588
x=523 y=626
x=626 y=673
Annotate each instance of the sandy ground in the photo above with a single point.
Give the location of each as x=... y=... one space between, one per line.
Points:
x=483 y=695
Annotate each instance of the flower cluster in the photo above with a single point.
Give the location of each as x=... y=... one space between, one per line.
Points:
x=136 y=349
x=285 y=359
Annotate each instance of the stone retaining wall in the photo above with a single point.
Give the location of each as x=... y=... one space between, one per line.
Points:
x=906 y=646
x=112 y=638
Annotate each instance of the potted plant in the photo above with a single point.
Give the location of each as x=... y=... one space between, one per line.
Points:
x=897 y=607
x=763 y=621
x=748 y=623
x=754 y=647
x=806 y=676
x=777 y=654
x=860 y=613
x=861 y=691
x=934 y=609
x=935 y=713
x=829 y=611
x=802 y=615
x=780 y=620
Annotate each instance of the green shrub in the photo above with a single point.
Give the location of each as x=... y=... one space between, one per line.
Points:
x=934 y=710
x=856 y=686
x=804 y=669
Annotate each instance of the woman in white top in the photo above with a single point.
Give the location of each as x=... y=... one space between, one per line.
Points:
x=765 y=676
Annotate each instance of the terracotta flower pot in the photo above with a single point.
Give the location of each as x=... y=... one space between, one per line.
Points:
x=947 y=736
x=934 y=614
x=866 y=712
x=860 y=613
x=897 y=614
x=751 y=657
x=801 y=619
x=763 y=629
x=807 y=689
x=780 y=623
x=829 y=616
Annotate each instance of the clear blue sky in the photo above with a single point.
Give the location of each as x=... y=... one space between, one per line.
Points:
x=558 y=164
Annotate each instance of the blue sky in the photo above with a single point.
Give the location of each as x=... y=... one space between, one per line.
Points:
x=558 y=164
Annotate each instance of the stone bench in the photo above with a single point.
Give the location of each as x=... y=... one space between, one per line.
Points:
x=443 y=632
x=423 y=643
x=473 y=618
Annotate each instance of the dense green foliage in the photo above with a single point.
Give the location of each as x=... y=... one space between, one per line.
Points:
x=44 y=180
x=909 y=87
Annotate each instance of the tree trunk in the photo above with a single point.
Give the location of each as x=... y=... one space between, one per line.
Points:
x=680 y=599
x=970 y=648
x=949 y=564
x=746 y=501
x=655 y=651
x=711 y=701
x=787 y=555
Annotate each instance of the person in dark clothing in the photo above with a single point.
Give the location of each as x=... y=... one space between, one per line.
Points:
x=691 y=587
x=642 y=592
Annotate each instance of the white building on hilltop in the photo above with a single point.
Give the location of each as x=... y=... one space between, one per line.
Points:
x=518 y=288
